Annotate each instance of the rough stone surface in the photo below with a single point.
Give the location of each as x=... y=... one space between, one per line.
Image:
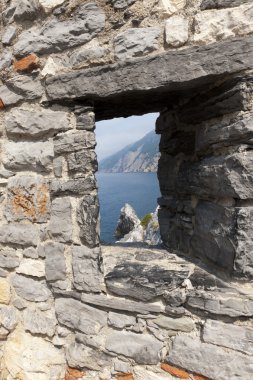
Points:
x=83 y=161
x=217 y=4
x=176 y=31
x=136 y=42
x=36 y=156
x=9 y=35
x=36 y=123
x=27 y=198
x=19 y=234
x=80 y=356
x=26 y=86
x=235 y=337
x=37 y=322
x=179 y=324
x=55 y=261
x=74 y=141
x=55 y=36
x=86 y=272
x=31 y=267
x=193 y=67
x=30 y=289
x=74 y=314
x=60 y=226
x=88 y=220
x=9 y=259
x=171 y=6
x=143 y=349
x=26 y=10
x=190 y=353
x=5 y=292
x=8 y=97
x=120 y=321
x=128 y=220
x=76 y=186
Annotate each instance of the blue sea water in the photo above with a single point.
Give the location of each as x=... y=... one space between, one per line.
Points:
x=140 y=190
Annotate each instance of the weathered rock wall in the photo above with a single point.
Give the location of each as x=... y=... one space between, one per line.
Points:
x=69 y=310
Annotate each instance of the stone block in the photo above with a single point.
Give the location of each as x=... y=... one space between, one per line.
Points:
x=120 y=321
x=77 y=316
x=26 y=10
x=27 y=198
x=88 y=55
x=30 y=289
x=25 y=156
x=74 y=141
x=37 y=322
x=178 y=142
x=8 y=317
x=5 y=60
x=218 y=176
x=218 y=4
x=227 y=335
x=35 y=123
x=136 y=42
x=76 y=186
x=87 y=21
x=19 y=234
x=168 y=167
x=55 y=261
x=88 y=220
x=176 y=31
x=80 y=356
x=143 y=349
x=197 y=357
x=212 y=25
x=31 y=253
x=122 y=4
x=26 y=86
x=86 y=121
x=83 y=161
x=169 y=7
x=5 y=292
x=60 y=226
x=9 y=259
x=31 y=267
x=184 y=324
x=9 y=35
x=8 y=97
x=86 y=271
x=50 y=4
x=27 y=64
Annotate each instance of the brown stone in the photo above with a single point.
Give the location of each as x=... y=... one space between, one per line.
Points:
x=74 y=374
x=128 y=376
x=1 y=104
x=5 y=292
x=174 y=371
x=200 y=377
x=28 y=63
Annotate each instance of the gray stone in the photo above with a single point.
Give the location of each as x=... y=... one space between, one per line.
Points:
x=77 y=316
x=94 y=341
x=143 y=349
x=74 y=141
x=56 y=36
x=194 y=68
x=27 y=10
x=58 y=166
x=218 y=4
x=209 y=360
x=136 y=42
x=83 y=161
x=9 y=259
x=88 y=220
x=60 y=225
x=9 y=35
x=5 y=62
x=86 y=121
x=55 y=261
x=37 y=322
x=88 y=55
x=27 y=198
x=3 y=273
x=76 y=186
x=25 y=156
x=35 y=123
x=115 y=303
x=19 y=234
x=86 y=272
x=31 y=253
x=8 y=97
x=29 y=289
x=122 y=4
x=80 y=356
x=217 y=304
x=28 y=87
x=227 y=335
x=128 y=221
x=120 y=321
x=31 y=267
x=221 y=176
x=122 y=367
x=222 y=134
x=8 y=317
x=184 y=324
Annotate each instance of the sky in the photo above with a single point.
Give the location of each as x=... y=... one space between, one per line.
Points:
x=113 y=135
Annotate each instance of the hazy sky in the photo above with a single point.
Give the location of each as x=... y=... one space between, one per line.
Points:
x=113 y=135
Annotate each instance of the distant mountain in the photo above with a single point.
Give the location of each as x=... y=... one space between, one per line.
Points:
x=141 y=156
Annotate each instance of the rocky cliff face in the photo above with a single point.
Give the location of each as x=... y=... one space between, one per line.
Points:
x=142 y=156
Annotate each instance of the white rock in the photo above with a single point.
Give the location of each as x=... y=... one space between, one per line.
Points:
x=31 y=267
x=212 y=25
x=176 y=31
x=169 y=7
x=30 y=358
x=141 y=373
x=50 y=4
x=50 y=68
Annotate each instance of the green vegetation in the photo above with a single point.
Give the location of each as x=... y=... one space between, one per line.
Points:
x=145 y=220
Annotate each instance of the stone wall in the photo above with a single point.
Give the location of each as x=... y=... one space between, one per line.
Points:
x=69 y=309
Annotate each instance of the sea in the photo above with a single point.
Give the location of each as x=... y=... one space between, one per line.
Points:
x=140 y=190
